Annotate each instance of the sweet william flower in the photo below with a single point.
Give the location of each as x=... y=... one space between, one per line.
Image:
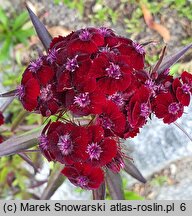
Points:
x=117 y=98
x=134 y=54
x=29 y=91
x=166 y=106
x=44 y=148
x=74 y=72
x=67 y=143
x=183 y=88
x=139 y=107
x=112 y=72
x=38 y=91
x=86 y=103
x=84 y=175
x=101 y=150
x=111 y=119
x=85 y=40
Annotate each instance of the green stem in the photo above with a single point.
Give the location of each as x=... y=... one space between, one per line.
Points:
x=19 y=119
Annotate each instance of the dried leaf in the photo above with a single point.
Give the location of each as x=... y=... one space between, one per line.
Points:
x=99 y=194
x=56 y=179
x=18 y=143
x=132 y=170
x=164 y=32
x=114 y=185
x=58 y=30
x=40 y=28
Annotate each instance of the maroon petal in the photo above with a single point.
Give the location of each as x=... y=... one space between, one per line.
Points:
x=45 y=75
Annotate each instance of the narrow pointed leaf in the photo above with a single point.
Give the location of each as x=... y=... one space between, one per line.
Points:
x=18 y=143
x=40 y=28
x=149 y=43
x=114 y=185
x=132 y=170
x=6 y=104
x=56 y=179
x=183 y=130
x=172 y=59
x=28 y=160
x=11 y=93
x=159 y=61
x=99 y=194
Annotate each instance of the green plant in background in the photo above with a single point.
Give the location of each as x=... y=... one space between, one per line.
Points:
x=159 y=180
x=183 y=7
x=13 y=177
x=133 y=25
x=130 y=195
x=103 y=13
x=74 y=4
x=13 y=31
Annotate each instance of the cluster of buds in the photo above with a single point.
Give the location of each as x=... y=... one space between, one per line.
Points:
x=95 y=73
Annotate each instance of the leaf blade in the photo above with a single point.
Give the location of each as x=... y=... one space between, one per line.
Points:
x=114 y=185
x=4 y=19
x=99 y=194
x=20 y=20
x=56 y=179
x=41 y=30
x=132 y=170
x=18 y=143
x=172 y=59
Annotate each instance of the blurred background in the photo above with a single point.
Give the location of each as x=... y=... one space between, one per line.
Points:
x=163 y=153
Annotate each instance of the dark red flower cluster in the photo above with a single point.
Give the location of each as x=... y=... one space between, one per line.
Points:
x=94 y=72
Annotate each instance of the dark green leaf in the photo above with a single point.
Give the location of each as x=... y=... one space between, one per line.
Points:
x=3 y=18
x=4 y=50
x=23 y=35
